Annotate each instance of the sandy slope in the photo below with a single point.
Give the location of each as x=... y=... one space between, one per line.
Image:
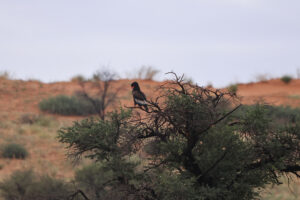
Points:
x=18 y=96
x=274 y=92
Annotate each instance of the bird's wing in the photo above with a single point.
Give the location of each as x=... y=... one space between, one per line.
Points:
x=144 y=96
x=138 y=95
x=139 y=98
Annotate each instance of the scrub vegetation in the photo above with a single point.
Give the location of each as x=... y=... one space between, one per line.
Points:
x=193 y=143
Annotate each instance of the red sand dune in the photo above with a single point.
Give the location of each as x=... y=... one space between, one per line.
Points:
x=17 y=96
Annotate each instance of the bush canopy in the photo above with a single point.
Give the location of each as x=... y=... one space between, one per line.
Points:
x=201 y=144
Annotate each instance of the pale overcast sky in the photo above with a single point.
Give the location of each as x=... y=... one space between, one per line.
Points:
x=217 y=41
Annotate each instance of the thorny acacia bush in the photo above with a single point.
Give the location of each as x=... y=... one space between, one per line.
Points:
x=102 y=81
x=207 y=146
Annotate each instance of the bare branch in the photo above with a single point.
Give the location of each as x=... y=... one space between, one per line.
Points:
x=102 y=81
x=77 y=193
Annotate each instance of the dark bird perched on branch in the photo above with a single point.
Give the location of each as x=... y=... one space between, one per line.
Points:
x=139 y=97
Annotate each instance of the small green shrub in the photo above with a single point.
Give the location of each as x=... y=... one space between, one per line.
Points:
x=15 y=187
x=102 y=181
x=26 y=185
x=286 y=79
x=13 y=150
x=49 y=188
x=78 y=78
x=28 y=118
x=65 y=105
x=44 y=121
x=233 y=88
x=40 y=120
x=91 y=178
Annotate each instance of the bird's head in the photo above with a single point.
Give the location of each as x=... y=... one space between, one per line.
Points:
x=135 y=86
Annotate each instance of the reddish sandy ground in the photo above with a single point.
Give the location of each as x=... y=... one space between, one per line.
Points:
x=274 y=92
x=17 y=96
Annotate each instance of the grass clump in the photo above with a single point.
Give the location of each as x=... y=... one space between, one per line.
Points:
x=5 y=75
x=286 y=79
x=27 y=185
x=13 y=150
x=294 y=96
x=28 y=118
x=147 y=73
x=262 y=78
x=66 y=105
x=78 y=78
x=33 y=119
x=144 y=73
x=233 y=88
x=280 y=115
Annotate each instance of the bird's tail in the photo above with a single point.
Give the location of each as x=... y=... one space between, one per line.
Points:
x=146 y=108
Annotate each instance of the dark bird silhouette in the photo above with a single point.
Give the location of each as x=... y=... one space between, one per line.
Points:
x=139 y=97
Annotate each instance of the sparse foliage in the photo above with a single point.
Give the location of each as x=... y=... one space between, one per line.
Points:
x=262 y=77
x=144 y=73
x=84 y=103
x=102 y=81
